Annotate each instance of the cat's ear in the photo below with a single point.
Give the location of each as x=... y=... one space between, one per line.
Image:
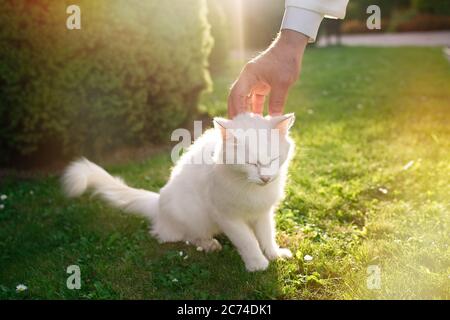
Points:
x=221 y=124
x=284 y=122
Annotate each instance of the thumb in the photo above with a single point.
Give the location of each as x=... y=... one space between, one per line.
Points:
x=277 y=100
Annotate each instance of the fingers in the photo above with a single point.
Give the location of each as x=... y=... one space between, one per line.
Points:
x=238 y=98
x=258 y=103
x=241 y=96
x=277 y=100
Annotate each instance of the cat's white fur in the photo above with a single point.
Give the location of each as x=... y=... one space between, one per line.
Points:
x=202 y=200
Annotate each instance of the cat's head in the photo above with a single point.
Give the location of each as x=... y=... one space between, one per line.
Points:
x=255 y=147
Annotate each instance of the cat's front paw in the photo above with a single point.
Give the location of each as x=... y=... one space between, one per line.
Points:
x=256 y=264
x=276 y=253
x=212 y=245
x=209 y=245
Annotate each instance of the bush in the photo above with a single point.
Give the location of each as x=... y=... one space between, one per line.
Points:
x=357 y=9
x=425 y=22
x=132 y=73
x=358 y=26
x=218 y=58
x=354 y=26
x=437 y=7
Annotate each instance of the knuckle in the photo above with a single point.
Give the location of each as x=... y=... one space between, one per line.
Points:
x=250 y=67
x=286 y=80
x=237 y=91
x=234 y=91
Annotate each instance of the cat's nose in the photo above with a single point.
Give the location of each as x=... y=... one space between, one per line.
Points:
x=265 y=179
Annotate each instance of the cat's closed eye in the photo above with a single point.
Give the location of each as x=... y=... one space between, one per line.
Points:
x=260 y=164
x=271 y=161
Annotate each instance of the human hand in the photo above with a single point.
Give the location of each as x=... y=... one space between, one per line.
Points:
x=272 y=72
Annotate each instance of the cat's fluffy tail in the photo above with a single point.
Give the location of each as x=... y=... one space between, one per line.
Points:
x=83 y=174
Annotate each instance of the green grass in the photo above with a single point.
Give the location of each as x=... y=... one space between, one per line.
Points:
x=362 y=115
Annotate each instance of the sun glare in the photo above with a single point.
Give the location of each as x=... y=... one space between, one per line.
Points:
x=238 y=7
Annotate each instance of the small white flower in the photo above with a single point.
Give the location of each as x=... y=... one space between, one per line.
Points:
x=408 y=165
x=3 y=197
x=383 y=190
x=2 y=206
x=185 y=257
x=21 y=288
x=31 y=192
x=180 y=253
x=174 y=280
x=307 y=257
x=187 y=242
x=199 y=249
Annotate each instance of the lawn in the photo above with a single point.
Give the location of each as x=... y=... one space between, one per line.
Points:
x=369 y=186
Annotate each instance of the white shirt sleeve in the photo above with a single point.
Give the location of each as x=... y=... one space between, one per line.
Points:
x=305 y=16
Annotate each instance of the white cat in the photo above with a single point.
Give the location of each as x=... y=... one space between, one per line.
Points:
x=202 y=200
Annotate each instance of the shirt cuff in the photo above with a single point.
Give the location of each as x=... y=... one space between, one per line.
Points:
x=303 y=21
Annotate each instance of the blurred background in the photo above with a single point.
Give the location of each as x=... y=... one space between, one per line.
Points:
x=136 y=71
x=368 y=184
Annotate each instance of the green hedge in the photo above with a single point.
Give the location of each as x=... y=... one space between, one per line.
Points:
x=218 y=59
x=437 y=7
x=133 y=73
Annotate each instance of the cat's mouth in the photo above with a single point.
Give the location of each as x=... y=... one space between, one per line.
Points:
x=263 y=183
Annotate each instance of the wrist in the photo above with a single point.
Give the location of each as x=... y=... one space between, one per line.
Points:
x=290 y=45
x=293 y=40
